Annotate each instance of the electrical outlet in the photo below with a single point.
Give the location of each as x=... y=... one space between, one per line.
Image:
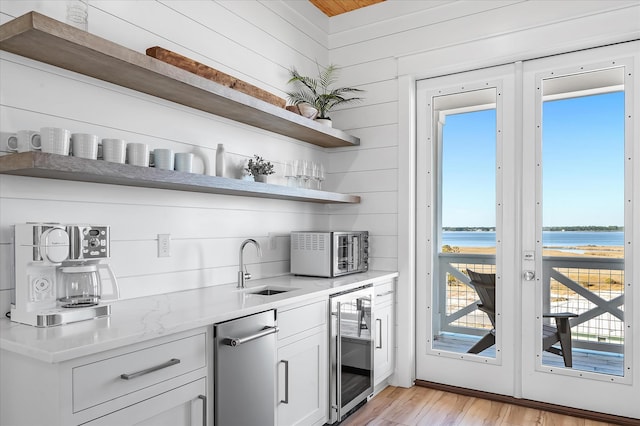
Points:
x=164 y=245
x=272 y=241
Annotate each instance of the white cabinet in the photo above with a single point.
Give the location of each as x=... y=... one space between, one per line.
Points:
x=158 y=382
x=302 y=375
x=183 y=406
x=384 y=318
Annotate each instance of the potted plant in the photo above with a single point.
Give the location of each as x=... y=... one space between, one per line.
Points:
x=259 y=168
x=318 y=93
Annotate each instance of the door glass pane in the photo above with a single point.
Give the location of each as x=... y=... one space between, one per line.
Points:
x=356 y=341
x=464 y=318
x=583 y=221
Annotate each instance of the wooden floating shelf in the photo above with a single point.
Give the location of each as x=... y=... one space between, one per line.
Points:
x=53 y=166
x=47 y=40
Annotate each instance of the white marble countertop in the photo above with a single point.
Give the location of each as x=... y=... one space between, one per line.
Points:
x=137 y=320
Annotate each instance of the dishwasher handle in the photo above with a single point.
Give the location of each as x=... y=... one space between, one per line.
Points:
x=237 y=341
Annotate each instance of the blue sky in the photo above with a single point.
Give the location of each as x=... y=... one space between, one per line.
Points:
x=583 y=160
x=468 y=173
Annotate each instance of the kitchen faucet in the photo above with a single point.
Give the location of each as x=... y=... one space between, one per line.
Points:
x=242 y=275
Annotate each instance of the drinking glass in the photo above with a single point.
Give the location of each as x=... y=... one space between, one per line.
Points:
x=290 y=173
x=321 y=175
x=315 y=175
x=307 y=173
x=299 y=171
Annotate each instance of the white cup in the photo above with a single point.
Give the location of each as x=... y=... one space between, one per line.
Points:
x=24 y=140
x=84 y=145
x=138 y=154
x=184 y=162
x=55 y=140
x=163 y=159
x=114 y=150
x=11 y=143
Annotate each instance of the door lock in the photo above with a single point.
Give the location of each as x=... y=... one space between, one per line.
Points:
x=529 y=275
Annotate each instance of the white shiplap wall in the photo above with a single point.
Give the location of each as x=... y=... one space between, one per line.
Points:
x=248 y=40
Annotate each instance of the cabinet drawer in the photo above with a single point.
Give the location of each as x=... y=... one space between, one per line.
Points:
x=300 y=319
x=173 y=408
x=111 y=378
x=384 y=291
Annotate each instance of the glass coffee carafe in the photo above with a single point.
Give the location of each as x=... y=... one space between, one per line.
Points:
x=80 y=286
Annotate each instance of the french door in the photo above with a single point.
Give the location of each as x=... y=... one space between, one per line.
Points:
x=525 y=175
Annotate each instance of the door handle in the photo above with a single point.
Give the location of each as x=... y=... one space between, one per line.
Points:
x=286 y=382
x=529 y=275
x=338 y=383
x=204 y=409
x=379 y=327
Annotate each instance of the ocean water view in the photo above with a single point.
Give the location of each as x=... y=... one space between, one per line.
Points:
x=549 y=238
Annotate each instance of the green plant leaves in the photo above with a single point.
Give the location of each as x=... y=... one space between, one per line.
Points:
x=317 y=91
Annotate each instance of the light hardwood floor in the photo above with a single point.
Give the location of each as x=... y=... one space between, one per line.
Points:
x=431 y=407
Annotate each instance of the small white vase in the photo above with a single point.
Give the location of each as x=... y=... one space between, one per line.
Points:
x=325 y=121
x=220 y=160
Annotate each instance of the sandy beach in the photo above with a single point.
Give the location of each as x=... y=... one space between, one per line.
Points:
x=596 y=280
x=595 y=251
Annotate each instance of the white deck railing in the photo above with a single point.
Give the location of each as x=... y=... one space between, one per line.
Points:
x=593 y=288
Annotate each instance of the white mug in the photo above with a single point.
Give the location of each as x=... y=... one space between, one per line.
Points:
x=163 y=159
x=114 y=150
x=138 y=154
x=55 y=140
x=24 y=140
x=184 y=162
x=84 y=145
x=11 y=143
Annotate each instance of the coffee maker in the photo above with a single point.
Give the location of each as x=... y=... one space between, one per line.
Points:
x=61 y=274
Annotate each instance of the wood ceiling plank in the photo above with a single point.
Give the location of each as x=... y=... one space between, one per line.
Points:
x=337 y=7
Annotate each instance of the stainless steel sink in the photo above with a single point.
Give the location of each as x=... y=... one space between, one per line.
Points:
x=269 y=292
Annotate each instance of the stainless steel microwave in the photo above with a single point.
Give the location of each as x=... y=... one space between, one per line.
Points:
x=329 y=254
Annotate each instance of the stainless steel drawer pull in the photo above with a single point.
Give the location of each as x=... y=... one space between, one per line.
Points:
x=204 y=409
x=385 y=293
x=237 y=341
x=129 y=376
x=286 y=382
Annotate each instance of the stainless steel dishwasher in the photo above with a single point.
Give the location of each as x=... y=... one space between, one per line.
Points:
x=244 y=370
